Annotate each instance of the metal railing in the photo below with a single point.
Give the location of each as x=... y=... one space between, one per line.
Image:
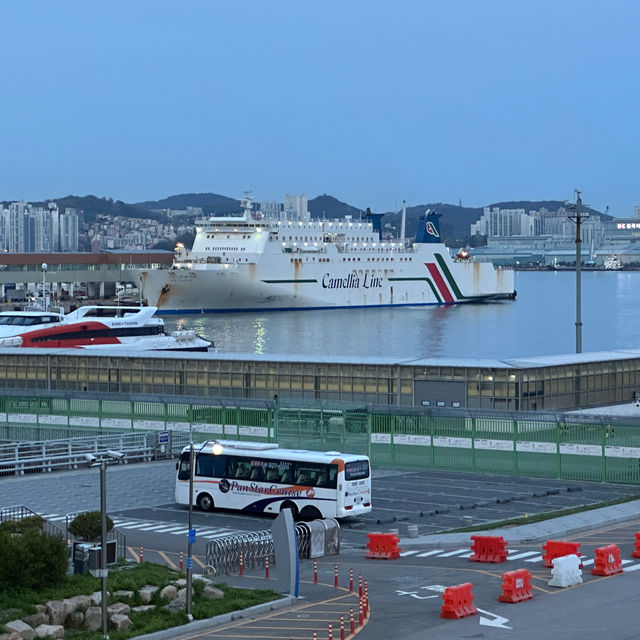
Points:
x=222 y=556
x=19 y=512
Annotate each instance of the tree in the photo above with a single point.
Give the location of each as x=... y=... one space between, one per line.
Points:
x=88 y=525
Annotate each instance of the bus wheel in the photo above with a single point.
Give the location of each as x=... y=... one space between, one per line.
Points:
x=290 y=505
x=205 y=502
x=310 y=513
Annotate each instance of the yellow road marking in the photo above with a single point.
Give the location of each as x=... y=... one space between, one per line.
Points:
x=166 y=558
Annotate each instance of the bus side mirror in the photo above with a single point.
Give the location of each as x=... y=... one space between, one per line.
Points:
x=177 y=465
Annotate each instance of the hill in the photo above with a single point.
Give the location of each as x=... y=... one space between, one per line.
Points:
x=210 y=203
x=94 y=206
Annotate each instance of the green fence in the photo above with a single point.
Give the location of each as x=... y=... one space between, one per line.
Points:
x=527 y=444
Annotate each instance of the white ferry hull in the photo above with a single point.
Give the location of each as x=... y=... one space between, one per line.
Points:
x=279 y=282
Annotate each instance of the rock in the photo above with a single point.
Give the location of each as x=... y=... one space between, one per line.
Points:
x=143 y=607
x=123 y=594
x=179 y=604
x=119 y=608
x=169 y=592
x=182 y=593
x=21 y=628
x=36 y=619
x=10 y=636
x=213 y=593
x=75 y=620
x=57 y=612
x=41 y=608
x=51 y=631
x=147 y=592
x=96 y=598
x=199 y=576
x=93 y=618
x=180 y=583
x=78 y=601
x=120 y=621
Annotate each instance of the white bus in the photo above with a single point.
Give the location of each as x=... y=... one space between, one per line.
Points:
x=262 y=478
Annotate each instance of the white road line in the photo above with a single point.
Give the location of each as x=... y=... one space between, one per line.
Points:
x=408 y=553
x=453 y=553
x=635 y=567
x=429 y=553
x=216 y=535
x=134 y=526
x=626 y=562
x=587 y=563
x=168 y=527
x=526 y=554
x=534 y=559
x=152 y=527
x=178 y=533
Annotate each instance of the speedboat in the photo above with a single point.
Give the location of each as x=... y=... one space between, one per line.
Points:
x=95 y=327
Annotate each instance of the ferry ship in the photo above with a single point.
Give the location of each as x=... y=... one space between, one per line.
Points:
x=250 y=263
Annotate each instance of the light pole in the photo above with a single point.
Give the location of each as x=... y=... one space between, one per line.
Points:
x=578 y=218
x=113 y=457
x=190 y=543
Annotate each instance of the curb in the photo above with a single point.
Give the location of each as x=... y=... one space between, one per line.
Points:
x=200 y=625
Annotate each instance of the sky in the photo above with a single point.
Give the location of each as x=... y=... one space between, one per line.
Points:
x=373 y=102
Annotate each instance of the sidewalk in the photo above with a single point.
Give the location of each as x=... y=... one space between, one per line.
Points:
x=539 y=531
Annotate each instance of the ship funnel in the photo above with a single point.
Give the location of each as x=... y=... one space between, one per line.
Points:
x=428 y=230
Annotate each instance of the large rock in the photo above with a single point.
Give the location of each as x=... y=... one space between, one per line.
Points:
x=75 y=620
x=182 y=593
x=36 y=619
x=78 y=601
x=10 y=636
x=96 y=598
x=179 y=604
x=213 y=593
x=169 y=592
x=180 y=583
x=21 y=628
x=119 y=608
x=93 y=618
x=120 y=621
x=57 y=611
x=147 y=592
x=50 y=631
x=143 y=607
x=123 y=594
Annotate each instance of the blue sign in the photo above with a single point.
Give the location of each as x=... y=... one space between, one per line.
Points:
x=163 y=437
x=189 y=563
x=192 y=535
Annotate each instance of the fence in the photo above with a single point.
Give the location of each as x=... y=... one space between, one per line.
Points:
x=600 y=448
x=20 y=512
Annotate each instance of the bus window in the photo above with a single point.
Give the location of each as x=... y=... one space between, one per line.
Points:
x=256 y=473
x=211 y=466
x=356 y=470
x=243 y=471
x=184 y=469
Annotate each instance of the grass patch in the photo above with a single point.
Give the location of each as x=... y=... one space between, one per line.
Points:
x=541 y=517
x=131 y=578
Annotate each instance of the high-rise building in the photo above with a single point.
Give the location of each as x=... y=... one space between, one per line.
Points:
x=295 y=207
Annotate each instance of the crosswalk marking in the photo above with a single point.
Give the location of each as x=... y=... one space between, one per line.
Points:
x=635 y=567
x=407 y=553
x=587 y=563
x=526 y=554
x=537 y=558
x=453 y=553
x=429 y=553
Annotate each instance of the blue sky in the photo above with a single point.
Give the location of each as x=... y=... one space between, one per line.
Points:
x=373 y=102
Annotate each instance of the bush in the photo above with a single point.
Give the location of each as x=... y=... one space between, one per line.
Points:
x=31 y=559
x=88 y=525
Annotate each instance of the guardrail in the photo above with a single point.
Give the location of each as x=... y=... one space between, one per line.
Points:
x=19 y=512
x=21 y=458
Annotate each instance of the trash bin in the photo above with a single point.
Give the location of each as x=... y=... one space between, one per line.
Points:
x=81 y=557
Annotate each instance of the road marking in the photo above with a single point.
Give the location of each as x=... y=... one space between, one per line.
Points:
x=586 y=563
x=497 y=621
x=526 y=554
x=537 y=558
x=134 y=526
x=166 y=558
x=408 y=553
x=635 y=567
x=430 y=553
x=453 y=553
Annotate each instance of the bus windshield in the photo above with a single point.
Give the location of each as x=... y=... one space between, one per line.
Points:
x=356 y=470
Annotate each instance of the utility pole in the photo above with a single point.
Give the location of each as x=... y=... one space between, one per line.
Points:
x=578 y=217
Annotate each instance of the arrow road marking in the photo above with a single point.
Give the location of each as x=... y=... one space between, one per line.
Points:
x=498 y=621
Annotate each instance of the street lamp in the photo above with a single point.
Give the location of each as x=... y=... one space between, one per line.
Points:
x=113 y=457
x=578 y=217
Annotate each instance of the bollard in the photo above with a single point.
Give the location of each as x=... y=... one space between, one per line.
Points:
x=181 y=560
x=351 y=621
x=141 y=554
x=315 y=635
x=350 y=579
x=315 y=572
x=360 y=620
x=366 y=599
x=330 y=637
x=266 y=567
x=360 y=586
x=341 y=627
x=335 y=575
x=412 y=530
x=241 y=564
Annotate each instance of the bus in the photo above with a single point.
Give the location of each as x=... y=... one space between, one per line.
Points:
x=263 y=478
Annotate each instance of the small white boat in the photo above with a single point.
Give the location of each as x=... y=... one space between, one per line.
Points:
x=94 y=327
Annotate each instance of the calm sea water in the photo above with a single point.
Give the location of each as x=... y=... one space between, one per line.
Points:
x=540 y=322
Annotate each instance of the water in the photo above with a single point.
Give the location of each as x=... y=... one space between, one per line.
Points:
x=540 y=322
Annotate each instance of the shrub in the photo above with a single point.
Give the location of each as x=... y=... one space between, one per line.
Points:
x=88 y=525
x=31 y=559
